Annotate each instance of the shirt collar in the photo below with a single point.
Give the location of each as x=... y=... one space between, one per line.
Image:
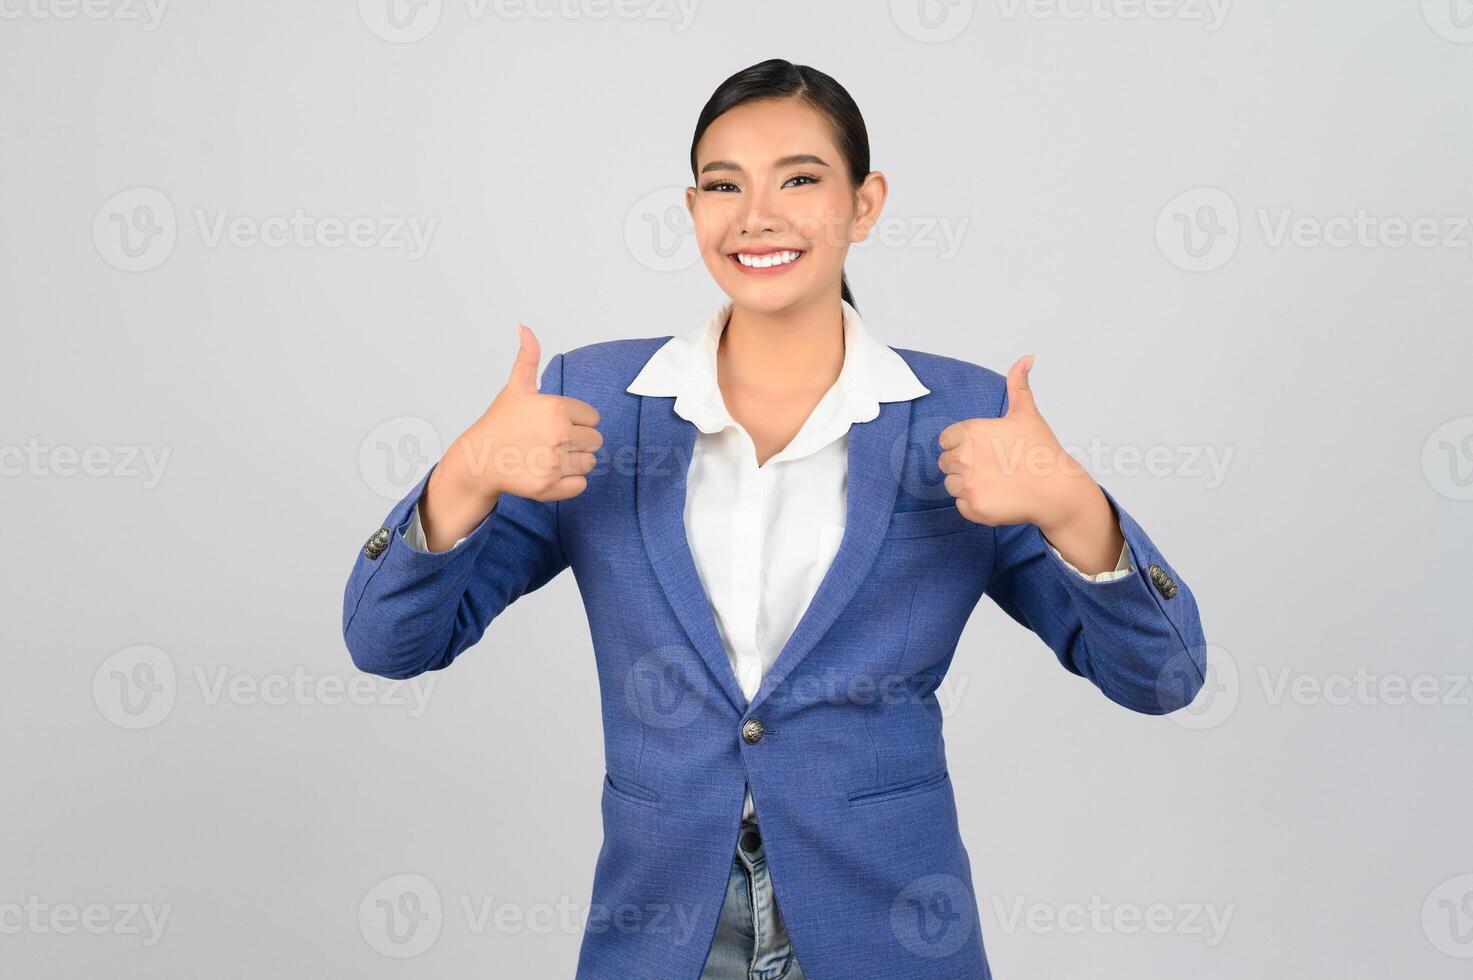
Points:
x=685 y=367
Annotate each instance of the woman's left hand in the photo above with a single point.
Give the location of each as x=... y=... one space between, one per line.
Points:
x=1012 y=470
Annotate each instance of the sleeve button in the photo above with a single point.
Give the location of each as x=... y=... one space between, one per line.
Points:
x=1164 y=583
x=377 y=543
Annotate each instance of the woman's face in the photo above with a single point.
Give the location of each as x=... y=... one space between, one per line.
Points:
x=770 y=183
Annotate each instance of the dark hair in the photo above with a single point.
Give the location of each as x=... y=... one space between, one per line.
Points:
x=779 y=79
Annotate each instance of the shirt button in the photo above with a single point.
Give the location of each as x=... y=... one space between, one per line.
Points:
x=752 y=731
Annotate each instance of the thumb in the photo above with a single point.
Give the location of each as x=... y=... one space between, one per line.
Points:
x=1020 y=396
x=529 y=354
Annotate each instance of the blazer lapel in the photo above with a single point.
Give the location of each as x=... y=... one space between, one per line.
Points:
x=662 y=459
x=876 y=456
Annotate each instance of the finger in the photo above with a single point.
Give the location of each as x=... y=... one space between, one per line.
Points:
x=529 y=354
x=575 y=463
x=585 y=438
x=962 y=436
x=968 y=511
x=568 y=486
x=1020 y=395
x=951 y=461
x=579 y=412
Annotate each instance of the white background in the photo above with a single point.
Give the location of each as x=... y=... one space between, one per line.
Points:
x=1040 y=158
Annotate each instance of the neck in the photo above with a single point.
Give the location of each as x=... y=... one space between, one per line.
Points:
x=785 y=352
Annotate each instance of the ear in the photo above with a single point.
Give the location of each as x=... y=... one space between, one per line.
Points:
x=869 y=201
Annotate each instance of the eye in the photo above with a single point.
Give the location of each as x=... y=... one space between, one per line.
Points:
x=718 y=184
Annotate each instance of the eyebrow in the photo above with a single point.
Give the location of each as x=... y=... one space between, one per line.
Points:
x=787 y=161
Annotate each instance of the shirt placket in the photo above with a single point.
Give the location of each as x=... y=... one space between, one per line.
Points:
x=747 y=522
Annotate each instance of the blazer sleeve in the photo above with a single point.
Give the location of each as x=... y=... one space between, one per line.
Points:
x=406 y=611
x=1138 y=638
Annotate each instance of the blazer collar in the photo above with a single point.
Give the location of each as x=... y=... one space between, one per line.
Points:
x=877 y=391
x=685 y=368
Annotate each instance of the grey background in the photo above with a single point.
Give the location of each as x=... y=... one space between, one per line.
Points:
x=546 y=148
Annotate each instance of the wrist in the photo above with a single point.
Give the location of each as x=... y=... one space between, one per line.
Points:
x=1080 y=502
x=456 y=474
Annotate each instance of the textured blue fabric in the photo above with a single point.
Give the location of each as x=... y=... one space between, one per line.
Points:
x=850 y=776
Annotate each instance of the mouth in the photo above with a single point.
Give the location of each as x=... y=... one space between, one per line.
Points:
x=766 y=262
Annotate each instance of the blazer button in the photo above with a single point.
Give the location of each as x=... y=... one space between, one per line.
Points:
x=752 y=731
x=1164 y=583
x=377 y=544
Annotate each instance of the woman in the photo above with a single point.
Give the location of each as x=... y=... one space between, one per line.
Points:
x=793 y=525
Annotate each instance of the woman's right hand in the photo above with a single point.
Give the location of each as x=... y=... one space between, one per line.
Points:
x=527 y=443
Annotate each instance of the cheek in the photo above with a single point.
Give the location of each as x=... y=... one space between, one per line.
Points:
x=711 y=221
x=826 y=225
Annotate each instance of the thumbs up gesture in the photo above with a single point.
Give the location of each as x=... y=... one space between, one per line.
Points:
x=1012 y=470
x=527 y=443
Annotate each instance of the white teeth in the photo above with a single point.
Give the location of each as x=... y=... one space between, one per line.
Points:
x=771 y=259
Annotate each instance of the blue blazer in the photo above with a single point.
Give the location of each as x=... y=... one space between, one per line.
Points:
x=848 y=767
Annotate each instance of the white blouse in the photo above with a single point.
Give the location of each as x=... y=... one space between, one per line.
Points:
x=762 y=537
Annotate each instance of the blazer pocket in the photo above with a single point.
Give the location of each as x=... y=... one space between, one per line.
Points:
x=631 y=792
x=894 y=791
x=928 y=522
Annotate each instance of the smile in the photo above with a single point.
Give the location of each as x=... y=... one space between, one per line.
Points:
x=767 y=263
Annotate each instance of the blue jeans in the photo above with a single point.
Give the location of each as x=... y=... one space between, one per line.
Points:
x=751 y=941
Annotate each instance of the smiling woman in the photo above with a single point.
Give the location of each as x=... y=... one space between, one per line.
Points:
x=773 y=614
x=783 y=145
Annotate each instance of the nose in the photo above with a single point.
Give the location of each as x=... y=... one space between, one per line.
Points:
x=754 y=216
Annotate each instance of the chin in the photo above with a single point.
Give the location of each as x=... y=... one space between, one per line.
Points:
x=766 y=297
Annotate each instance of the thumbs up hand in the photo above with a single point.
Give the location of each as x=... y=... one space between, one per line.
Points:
x=1012 y=470
x=527 y=443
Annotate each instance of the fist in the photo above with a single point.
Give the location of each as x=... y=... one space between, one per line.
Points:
x=1012 y=470
x=527 y=443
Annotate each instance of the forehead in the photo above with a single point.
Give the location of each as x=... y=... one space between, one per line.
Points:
x=756 y=133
